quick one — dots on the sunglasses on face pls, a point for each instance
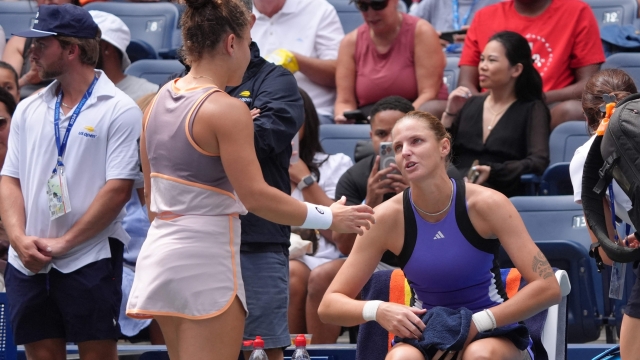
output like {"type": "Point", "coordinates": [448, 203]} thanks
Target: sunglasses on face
{"type": "Point", "coordinates": [375, 5]}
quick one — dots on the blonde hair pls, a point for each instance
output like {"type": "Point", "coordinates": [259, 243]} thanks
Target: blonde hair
{"type": "Point", "coordinates": [89, 48]}
{"type": "Point", "coordinates": [434, 124]}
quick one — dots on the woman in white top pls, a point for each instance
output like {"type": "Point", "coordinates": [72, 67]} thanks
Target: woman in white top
{"type": "Point", "coordinates": [597, 92]}
{"type": "Point", "coordinates": [313, 178]}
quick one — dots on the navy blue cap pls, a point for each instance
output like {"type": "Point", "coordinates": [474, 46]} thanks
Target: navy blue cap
{"type": "Point", "coordinates": [63, 20]}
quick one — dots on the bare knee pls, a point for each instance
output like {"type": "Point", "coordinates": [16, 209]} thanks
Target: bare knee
{"type": "Point", "coordinates": [321, 277]}
{"type": "Point", "coordinates": [49, 349]}
{"type": "Point", "coordinates": [566, 111]}
{"type": "Point", "coordinates": [434, 107]}
{"type": "Point", "coordinates": [98, 350]}
{"type": "Point", "coordinates": [404, 352]}
{"type": "Point", "coordinates": [298, 278]}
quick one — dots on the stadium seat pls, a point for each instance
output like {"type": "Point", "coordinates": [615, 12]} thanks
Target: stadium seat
{"type": "Point", "coordinates": [17, 16]}
{"type": "Point", "coordinates": [451, 72]}
{"type": "Point", "coordinates": [342, 138]}
{"type": "Point", "coordinates": [155, 23]}
{"type": "Point", "coordinates": [608, 12]}
{"type": "Point", "coordinates": [140, 50]}
{"type": "Point", "coordinates": [629, 62]}
{"type": "Point", "coordinates": [563, 142]}
{"type": "Point", "coordinates": [156, 71]}
{"type": "Point", "coordinates": [349, 15]}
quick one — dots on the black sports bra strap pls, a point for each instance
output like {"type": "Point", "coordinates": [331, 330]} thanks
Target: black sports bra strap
{"type": "Point", "coordinates": [490, 246]}
{"type": "Point", "coordinates": [410, 230]}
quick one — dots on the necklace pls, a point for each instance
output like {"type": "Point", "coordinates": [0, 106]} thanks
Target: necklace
{"type": "Point", "coordinates": [496, 115]}
{"type": "Point", "coordinates": [67, 106]}
{"type": "Point", "coordinates": [439, 212]}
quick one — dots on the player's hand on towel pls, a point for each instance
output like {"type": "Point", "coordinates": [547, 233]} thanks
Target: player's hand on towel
{"type": "Point", "coordinates": [401, 320]}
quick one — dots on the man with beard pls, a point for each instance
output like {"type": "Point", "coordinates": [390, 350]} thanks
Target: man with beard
{"type": "Point", "coordinates": [76, 139]}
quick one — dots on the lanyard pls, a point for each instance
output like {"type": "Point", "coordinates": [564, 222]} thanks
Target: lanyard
{"type": "Point", "coordinates": [62, 146]}
{"type": "Point", "coordinates": [612, 206]}
{"type": "Point", "coordinates": [456, 14]}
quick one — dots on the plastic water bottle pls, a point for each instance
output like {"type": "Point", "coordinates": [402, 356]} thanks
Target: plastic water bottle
{"type": "Point", "coordinates": [258, 350]}
{"type": "Point", "coordinates": [301, 349]}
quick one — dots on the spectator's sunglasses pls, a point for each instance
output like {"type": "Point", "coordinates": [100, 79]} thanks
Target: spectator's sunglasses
{"type": "Point", "coordinates": [375, 5]}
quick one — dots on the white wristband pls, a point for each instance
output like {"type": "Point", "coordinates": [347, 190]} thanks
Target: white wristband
{"type": "Point", "coordinates": [484, 320]}
{"type": "Point", "coordinates": [318, 217]}
{"type": "Point", "coordinates": [370, 309]}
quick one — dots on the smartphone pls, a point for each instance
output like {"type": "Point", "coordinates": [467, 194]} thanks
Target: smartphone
{"type": "Point", "coordinates": [357, 116]}
{"type": "Point", "coordinates": [387, 156]}
{"type": "Point", "coordinates": [472, 175]}
{"type": "Point", "coordinates": [448, 35]}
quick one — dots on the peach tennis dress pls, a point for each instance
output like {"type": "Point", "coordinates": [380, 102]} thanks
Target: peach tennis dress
{"type": "Point", "coordinates": [189, 265]}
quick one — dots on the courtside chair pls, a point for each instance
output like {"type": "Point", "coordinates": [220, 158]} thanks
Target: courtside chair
{"type": "Point", "coordinates": [629, 62]}
{"type": "Point", "coordinates": [17, 16]}
{"type": "Point", "coordinates": [336, 138]}
{"type": "Point", "coordinates": [451, 72]}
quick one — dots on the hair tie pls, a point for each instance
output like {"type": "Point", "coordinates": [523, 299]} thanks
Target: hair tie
{"type": "Point", "coordinates": [608, 108]}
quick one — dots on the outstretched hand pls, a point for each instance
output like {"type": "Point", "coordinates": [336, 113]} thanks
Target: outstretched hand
{"type": "Point", "coordinates": [351, 219]}
{"type": "Point", "coordinates": [401, 320]}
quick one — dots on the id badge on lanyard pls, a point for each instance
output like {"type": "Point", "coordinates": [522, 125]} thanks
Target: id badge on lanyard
{"type": "Point", "coordinates": [57, 191]}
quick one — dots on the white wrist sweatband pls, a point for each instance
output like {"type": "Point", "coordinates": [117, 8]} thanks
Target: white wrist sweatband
{"type": "Point", "coordinates": [318, 217]}
{"type": "Point", "coordinates": [484, 320]}
{"type": "Point", "coordinates": [370, 309]}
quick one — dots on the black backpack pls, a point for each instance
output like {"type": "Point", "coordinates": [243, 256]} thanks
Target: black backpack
{"type": "Point", "coordinates": [614, 155]}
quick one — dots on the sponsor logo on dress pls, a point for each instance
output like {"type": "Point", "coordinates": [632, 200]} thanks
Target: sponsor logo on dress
{"type": "Point", "coordinates": [438, 236]}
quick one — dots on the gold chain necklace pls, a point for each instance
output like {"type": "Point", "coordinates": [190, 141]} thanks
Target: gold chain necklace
{"type": "Point", "coordinates": [439, 212]}
{"type": "Point", "coordinates": [496, 114]}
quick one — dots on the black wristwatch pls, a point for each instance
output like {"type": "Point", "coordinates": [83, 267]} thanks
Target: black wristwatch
{"type": "Point", "coordinates": [306, 181]}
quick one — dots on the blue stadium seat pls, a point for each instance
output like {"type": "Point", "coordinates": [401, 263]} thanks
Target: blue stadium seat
{"type": "Point", "coordinates": [342, 138]}
{"type": "Point", "coordinates": [629, 62]}
{"type": "Point", "coordinates": [155, 23]}
{"type": "Point", "coordinates": [156, 71]}
{"type": "Point", "coordinates": [140, 50]}
{"type": "Point", "coordinates": [451, 72]}
{"type": "Point", "coordinates": [17, 16]}
{"type": "Point", "coordinates": [608, 12]}
{"type": "Point", "coordinates": [349, 15]}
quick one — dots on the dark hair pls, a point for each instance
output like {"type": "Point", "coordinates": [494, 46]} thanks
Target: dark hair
{"type": "Point", "coordinates": [434, 125]}
{"type": "Point", "coordinates": [4, 65]}
{"type": "Point", "coordinates": [608, 81]}
{"type": "Point", "coordinates": [397, 103]}
{"type": "Point", "coordinates": [529, 84]}
{"type": "Point", "coordinates": [310, 142]}
{"type": "Point", "coordinates": [8, 100]}
{"type": "Point", "coordinates": [205, 22]}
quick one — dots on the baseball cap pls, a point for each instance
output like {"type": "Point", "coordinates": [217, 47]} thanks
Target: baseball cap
{"type": "Point", "coordinates": [115, 32]}
{"type": "Point", "coordinates": [64, 20]}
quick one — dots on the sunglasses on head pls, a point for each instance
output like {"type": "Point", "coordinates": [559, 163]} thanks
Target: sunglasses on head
{"type": "Point", "coordinates": [375, 5]}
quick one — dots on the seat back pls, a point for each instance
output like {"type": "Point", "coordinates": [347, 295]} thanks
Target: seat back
{"type": "Point", "coordinates": [629, 62]}
{"type": "Point", "coordinates": [140, 50]}
{"type": "Point", "coordinates": [609, 12]}
{"type": "Point", "coordinates": [391, 285]}
{"type": "Point", "coordinates": [451, 72]}
{"type": "Point", "coordinates": [156, 71]}
{"type": "Point", "coordinates": [17, 16]}
{"type": "Point", "coordinates": [342, 138]}
{"type": "Point", "coordinates": [350, 16]}
{"type": "Point", "coordinates": [565, 139]}
{"type": "Point", "coordinates": [154, 23]}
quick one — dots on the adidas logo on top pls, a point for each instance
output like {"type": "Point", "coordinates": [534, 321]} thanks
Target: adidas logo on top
{"type": "Point", "coordinates": [438, 236]}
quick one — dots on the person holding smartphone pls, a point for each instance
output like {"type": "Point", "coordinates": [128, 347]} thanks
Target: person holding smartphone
{"type": "Point", "coordinates": [504, 133]}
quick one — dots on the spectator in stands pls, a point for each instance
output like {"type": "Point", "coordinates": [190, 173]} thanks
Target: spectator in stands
{"type": "Point", "coordinates": [617, 84]}
{"type": "Point", "coordinates": [504, 133]}
{"type": "Point", "coordinates": [455, 269]}
{"type": "Point", "coordinates": [450, 15]}
{"type": "Point", "coordinates": [66, 264]}
{"type": "Point", "coordinates": [303, 35]}
{"type": "Point", "coordinates": [392, 53]}
{"type": "Point", "coordinates": [564, 37]}
{"type": "Point", "coordinates": [9, 80]}
{"type": "Point", "coordinates": [7, 107]}
{"type": "Point", "coordinates": [17, 53]}
{"type": "Point", "coordinates": [113, 56]}
{"type": "Point", "coordinates": [313, 178]}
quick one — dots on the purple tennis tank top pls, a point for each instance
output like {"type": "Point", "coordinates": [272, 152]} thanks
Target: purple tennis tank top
{"type": "Point", "coordinates": [447, 263]}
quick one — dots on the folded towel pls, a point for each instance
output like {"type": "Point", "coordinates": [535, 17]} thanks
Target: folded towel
{"type": "Point", "coordinates": [448, 329]}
